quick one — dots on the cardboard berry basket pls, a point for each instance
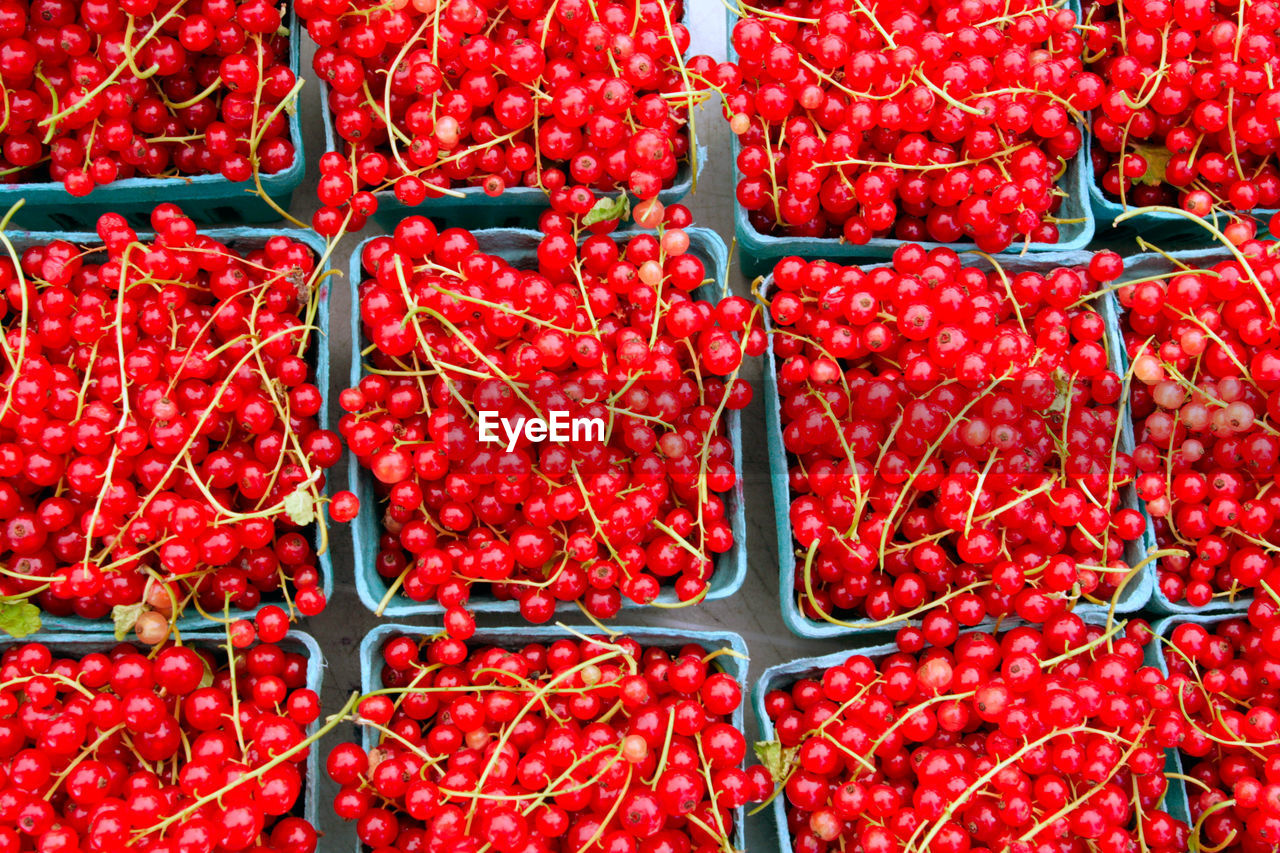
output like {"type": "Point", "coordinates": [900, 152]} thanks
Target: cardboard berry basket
{"type": "Point", "coordinates": [735, 664]}
{"type": "Point", "coordinates": [519, 248]}
{"type": "Point", "coordinates": [1135, 593]}
{"type": "Point", "coordinates": [517, 207]}
{"type": "Point", "coordinates": [783, 675]}
{"type": "Point", "coordinates": [317, 357]}
{"type": "Point", "coordinates": [1147, 222]}
{"type": "Point", "coordinates": [760, 252]}
{"type": "Point", "coordinates": [205, 198]}
{"type": "Point", "coordinates": [1142, 266]}
{"type": "Point", "coordinates": [79, 644]}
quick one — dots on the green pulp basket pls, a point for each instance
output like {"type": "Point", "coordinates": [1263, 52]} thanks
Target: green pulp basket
{"type": "Point", "coordinates": [209, 199]}
{"type": "Point", "coordinates": [77, 644]}
{"type": "Point", "coordinates": [1141, 266]}
{"type": "Point", "coordinates": [473, 208]}
{"type": "Point", "coordinates": [784, 675]}
{"type": "Point", "coordinates": [519, 248]}
{"type": "Point", "coordinates": [318, 358]}
{"type": "Point", "coordinates": [1136, 592]}
{"type": "Point", "coordinates": [734, 664]}
{"type": "Point", "coordinates": [761, 251]}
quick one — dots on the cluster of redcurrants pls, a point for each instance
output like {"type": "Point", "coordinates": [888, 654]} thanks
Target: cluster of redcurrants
{"type": "Point", "coordinates": [1205, 345]}
{"type": "Point", "coordinates": [941, 121]}
{"type": "Point", "coordinates": [605, 330]}
{"type": "Point", "coordinates": [1223, 674]}
{"type": "Point", "coordinates": [1035, 740]}
{"type": "Point", "coordinates": [963, 463]}
{"type": "Point", "coordinates": [160, 450]}
{"type": "Point", "coordinates": [1190, 103]}
{"type": "Point", "coordinates": [102, 90]}
{"type": "Point", "coordinates": [953, 438]}
{"type": "Point", "coordinates": [935, 121]}
{"type": "Point", "coordinates": [587, 744]}
{"type": "Point", "coordinates": [427, 97]}
{"type": "Point", "coordinates": [180, 750]}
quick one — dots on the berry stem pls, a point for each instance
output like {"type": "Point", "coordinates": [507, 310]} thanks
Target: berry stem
{"type": "Point", "coordinates": [253, 775]}
{"type": "Point", "coordinates": [1071, 805]}
{"type": "Point", "coordinates": [51, 121]}
{"type": "Point", "coordinates": [1222, 238]}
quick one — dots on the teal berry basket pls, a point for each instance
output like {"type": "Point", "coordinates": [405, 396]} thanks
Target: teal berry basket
{"type": "Point", "coordinates": [519, 247]}
{"type": "Point", "coordinates": [1147, 222]}
{"type": "Point", "coordinates": [1177, 801]}
{"type": "Point", "coordinates": [78, 644]}
{"type": "Point", "coordinates": [242, 238]}
{"type": "Point", "coordinates": [784, 675]}
{"type": "Point", "coordinates": [1136, 592]}
{"type": "Point", "coordinates": [759, 251]}
{"type": "Point", "coordinates": [209, 199]}
{"type": "Point", "coordinates": [735, 665]}
{"type": "Point", "coordinates": [473, 208]}
{"type": "Point", "coordinates": [1142, 266]}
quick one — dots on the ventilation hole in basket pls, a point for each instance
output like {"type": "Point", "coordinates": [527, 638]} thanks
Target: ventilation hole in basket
{"type": "Point", "coordinates": [65, 222]}
{"type": "Point", "coordinates": [224, 213]}
{"type": "Point", "coordinates": [138, 219]}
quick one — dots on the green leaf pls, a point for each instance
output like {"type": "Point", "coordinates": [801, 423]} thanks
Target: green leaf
{"type": "Point", "coordinates": [608, 208]}
{"type": "Point", "coordinates": [778, 761]}
{"type": "Point", "coordinates": [770, 754]}
{"type": "Point", "coordinates": [300, 507]}
{"type": "Point", "coordinates": [125, 616]}
{"type": "Point", "coordinates": [19, 618]}
{"type": "Point", "coordinates": [1157, 157]}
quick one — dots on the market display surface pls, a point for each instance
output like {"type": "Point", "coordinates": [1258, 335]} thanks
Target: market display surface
{"type": "Point", "coordinates": [833, 428]}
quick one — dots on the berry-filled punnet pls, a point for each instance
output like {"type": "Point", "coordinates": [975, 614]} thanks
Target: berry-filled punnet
{"type": "Point", "coordinates": [102, 90]}
{"type": "Point", "coordinates": [954, 441]}
{"type": "Point", "coordinates": [195, 747]}
{"type": "Point", "coordinates": [161, 453]}
{"type": "Point", "coordinates": [548, 741]}
{"type": "Point", "coordinates": [1187, 115]}
{"type": "Point", "coordinates": [1033, 740]}
{"type": "Point", "coordinates": [1202, 333]}
{"type": "Point", "coordinates": [597, 326]}
{"type": "Point", "coordinates": [432, 98]}
{"type": "Point", "coordinates": [933, 121]}
{"type": "Point", "coordinates": [1222, 669]}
